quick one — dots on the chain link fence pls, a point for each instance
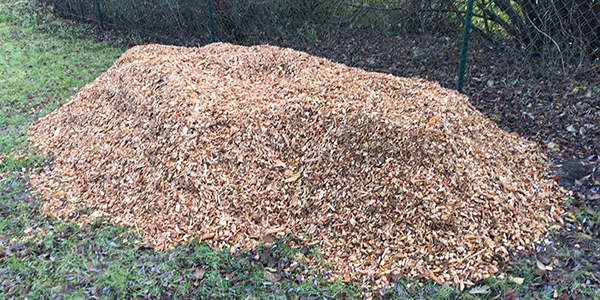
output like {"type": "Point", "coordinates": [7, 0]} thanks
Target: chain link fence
{"type": "Point", "coordinates": [532, 66]}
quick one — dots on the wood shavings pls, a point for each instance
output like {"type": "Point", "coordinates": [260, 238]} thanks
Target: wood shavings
{"type": "Point", "coordinates": [226, 143]}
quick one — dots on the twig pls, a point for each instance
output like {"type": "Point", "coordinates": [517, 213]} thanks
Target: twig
{"type": "Point", "coordinates": [473, 255]}
{"type": "Point", "coordinates": [555, 43]}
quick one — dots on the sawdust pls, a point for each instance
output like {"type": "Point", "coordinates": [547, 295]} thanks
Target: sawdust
{"type": "Point", "coordinates": [227, 143]}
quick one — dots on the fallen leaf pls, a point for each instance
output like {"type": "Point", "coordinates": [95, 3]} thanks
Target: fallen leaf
{"type": "Point", "coordinates": [432, 276]}
{"type": "Point", "coordinates": [564, 296]}
{"type": "Point", "coordinates": [510, 295]}
{"type": "Point", "coordinates": [275, 230]}
{"type": "Point", "coordinates": [539, 272]}
{"type": "Point", "coordinates": [207, 236]}
{"type": "Point", "coordinates": [292, 178]}
{"type": "Point", "coordinates": [271, 275]}
{"type": "Point", "coordinates": [12, 290]}
{"type": "Point", "coordinates": [540, 265]}
{"type": "Point", "coordinates": [229, 276]}
{"type": "Point", "coordinates": [517, 280]}
{"type": "Point", "coordinates": [582, 236]}
{"type": "Point", "coordinates": [269, 239]}
{"type": "Point", "coordinates": [199, 273]}
{"type": "Point", "coordinates": [484, 289]}
{"type": "Point", "coordinates": [558, 263]}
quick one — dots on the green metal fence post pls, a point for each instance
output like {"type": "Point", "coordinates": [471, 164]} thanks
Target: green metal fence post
{"type": "Point", "coordinates": [99, 14]}
{"type": "Point", "coordinates": [465, 46]}
{"type": "Point", "coordinates": [211, 21]}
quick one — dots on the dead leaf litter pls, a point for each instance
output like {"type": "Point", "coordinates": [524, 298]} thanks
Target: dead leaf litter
{"type": "Point", "coordinates": [227, 143]}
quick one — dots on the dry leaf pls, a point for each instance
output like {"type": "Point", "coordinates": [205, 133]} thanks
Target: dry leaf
{"type": "Point", "coordinates": [12, 290]}
{"type": "Point", "coordinates": [509, 294]}
{"type": "Point", "coordinates": [539, 272]}
{"type": "Point", "coordinates": [540, 265]}
{"type": "Point", "coordinates": [271, 275]}
{"type": "Point", "coordinates": [484, 289]}
{"type": "Point", "coordinates": [269, 239]}
{"type": "Point", "coordinates": [292, 178]}
{"type": "Point", "coordinates": [517, 280]}
{"type": "Point", "coordinates": [207, 236]}
{"type": "Point", "coordinates": [199, 273]}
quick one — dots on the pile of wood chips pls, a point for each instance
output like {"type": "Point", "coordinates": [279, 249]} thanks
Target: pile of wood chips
{"type": "Point", "coordinates": [227, 143]}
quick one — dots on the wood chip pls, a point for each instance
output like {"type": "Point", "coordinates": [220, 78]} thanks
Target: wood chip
{"type": "Point", "coordinates": [292, 178]}
{"type": "Point", "coordinates": [397, 174]}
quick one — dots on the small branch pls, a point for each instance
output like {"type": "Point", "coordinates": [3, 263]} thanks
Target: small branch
{"type": "Point", "coordinates": [473, 255]}
{"type": "Point", "coordinates": [555, 43]}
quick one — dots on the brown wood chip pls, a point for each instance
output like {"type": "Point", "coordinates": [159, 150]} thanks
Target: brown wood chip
{"type": "Point", "coordinates": [226, 143]}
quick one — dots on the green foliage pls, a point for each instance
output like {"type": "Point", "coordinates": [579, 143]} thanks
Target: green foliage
{"type": "Point", "coordinates": [41, 68]}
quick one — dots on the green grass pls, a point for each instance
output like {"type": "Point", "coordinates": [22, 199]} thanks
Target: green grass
{"type": "Point", "coordinates": [41, 66]}
{"type": "Point", "coordinates": [43, 62]}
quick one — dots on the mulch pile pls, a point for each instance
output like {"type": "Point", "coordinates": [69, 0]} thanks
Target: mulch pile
{"type": "Point", "coordinates": [228, 143]}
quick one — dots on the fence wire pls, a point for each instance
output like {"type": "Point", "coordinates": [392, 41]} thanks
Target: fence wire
{"type": "Point", "coordinates": [522, 53]}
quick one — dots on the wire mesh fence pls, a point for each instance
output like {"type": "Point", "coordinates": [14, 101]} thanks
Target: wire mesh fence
{"type": "Point", "coordinates": [532, 66]}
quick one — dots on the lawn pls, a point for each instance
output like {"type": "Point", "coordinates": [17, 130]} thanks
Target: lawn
{"type": "Point", "coordinates": [44, 61]}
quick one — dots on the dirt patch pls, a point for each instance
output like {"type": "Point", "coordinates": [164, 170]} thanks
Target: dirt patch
{"type": "Point", "coordinates": [570, 170]}
{"type": "Point", "coordinates": [227, 143]}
